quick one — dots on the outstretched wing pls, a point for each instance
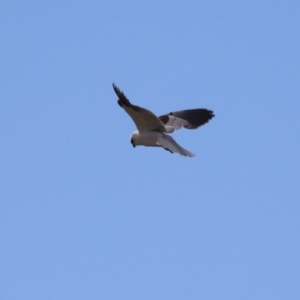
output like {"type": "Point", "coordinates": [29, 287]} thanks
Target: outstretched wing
{"type": "Point", "coordinates": [190, 119]}
{"type": "Point", "coordinates": [144, 119]}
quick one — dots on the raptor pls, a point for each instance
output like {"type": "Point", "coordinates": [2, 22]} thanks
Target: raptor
{"type": "Point", "coordinates": [154, 131]}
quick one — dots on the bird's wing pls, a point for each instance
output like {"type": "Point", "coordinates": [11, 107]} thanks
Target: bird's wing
{"type": "Point", "coordinates": [169, 143]}
{"type": "Point", "coordinates": [144, 119]}
{"type": "Point", "coordinates": [190, 119]}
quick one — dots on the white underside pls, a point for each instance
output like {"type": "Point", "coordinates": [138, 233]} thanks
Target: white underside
{"type": "Point", "coordinates": [159, 139]}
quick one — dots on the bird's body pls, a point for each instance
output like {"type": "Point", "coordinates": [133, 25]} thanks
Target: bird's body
{"type": "Point", "coordinates": [147, 138]}
{"type": "Point", "coordinates": [158, 139]}
{"type": "Point", "coordinates": [153, 131]}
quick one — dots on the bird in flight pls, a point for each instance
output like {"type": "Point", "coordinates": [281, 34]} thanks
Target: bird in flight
{"type": "Point", "coordinates": [153, 131]}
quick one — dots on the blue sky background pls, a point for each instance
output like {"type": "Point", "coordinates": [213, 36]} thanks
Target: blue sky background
{"type": "Point", "coordinates": [84, 215]}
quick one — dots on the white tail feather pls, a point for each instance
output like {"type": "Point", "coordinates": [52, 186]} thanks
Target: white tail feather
{"type": "Point", "coordinates": [169, 143]}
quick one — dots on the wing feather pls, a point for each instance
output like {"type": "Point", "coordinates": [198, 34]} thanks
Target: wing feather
{"type": "Point", "coordinates": [190, 118]}
{"type": "Point", "coordinates": [144, 119]}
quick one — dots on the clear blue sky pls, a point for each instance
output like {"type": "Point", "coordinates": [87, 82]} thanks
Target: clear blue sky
{"type": "Point", "coordinates": [84, 215]}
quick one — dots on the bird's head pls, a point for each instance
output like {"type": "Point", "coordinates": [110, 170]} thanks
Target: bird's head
{"type": "Point", "coordinates": [133, 139]}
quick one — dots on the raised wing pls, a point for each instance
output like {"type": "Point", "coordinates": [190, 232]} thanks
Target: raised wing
{"type": "Point", "coordinates": [144, 119]}
{"type": "Point", "coordinates": [190, 119]}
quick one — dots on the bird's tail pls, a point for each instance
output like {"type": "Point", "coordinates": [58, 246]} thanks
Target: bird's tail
{"type": "Point", "coordinates": [169, 143]}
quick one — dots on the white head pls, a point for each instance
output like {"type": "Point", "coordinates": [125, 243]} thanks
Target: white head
{"type": "Point", "coordinates": [134, 138]}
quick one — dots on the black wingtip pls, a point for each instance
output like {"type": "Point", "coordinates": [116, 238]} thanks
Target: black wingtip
{"type": "Point", "coordinates": [122, 98]}
{"type": "Point", "coordinates": [116, 89]}
{"type": "Point", "coordinates": [195, 117]}
{"type": "Point", "coordinates": [204, 116]}
{"type": "Point", "coordinates": [211, 114]}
